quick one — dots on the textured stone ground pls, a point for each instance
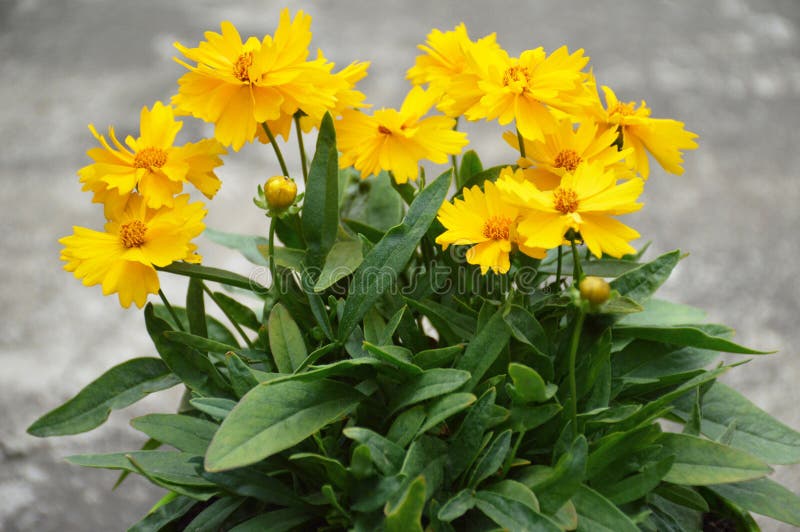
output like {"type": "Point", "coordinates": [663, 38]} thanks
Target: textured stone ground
{"type": "Point", "coordinates": [729, 68]}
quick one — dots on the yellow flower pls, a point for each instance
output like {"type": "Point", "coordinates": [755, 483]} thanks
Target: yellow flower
{"type": "Point", "coordinates": [584, 202]}
{"type": "Point", "coordinates": [564, 148]}
{"type": "Point", "coordinates": [150, 164]}
{"type": "Point", "coordinates": [397, 141]}
{"type": "Point", "coordinates": [447, 62]}
{"type": "Point", "coordinates": [237, 86]}
{"type": "Point", "coordinates": [122, 258]}
{"type": "Point", "coordinates": [482, 218]}
{"type": "Point", "coordinates": [524, 88]}
{"type": "Point", "coordinates": [347, 97]}
{"type": "Point", "coordinates": [662, 137]}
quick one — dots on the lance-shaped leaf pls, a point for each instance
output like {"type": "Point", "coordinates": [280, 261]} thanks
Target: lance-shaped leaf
{"type": "Point", "coordinates": [382, 264]}
{"type": "Point", "coordinates": [641, 283]}
{"type": "Point", "coordinates": [117, 388]}
{"type": "Point", "coordinates": [321, 201]}
{"type": "Point", "coordinates": [482, 351]}
{"type": "Point", "coordinates": [274, 417]}
{"type": "Point", "coordinates": [285, 340]}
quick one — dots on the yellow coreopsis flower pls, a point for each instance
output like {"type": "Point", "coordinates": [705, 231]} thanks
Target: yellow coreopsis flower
{"type": "Point", "coordinates": [150, 164]}
{"type": "Point", "coordinates": [397, 140]}
{"type": "Point", "coordinates": [123, 257]}
{"type": "Point", "coordinates": [524, 88]}
{"type": "Point", "coordinates": [482, 218]}
{"type": "Point", "coordinates": [584, 201]}
{"type": "Point", "coordinates": [564, 148]}
{"type": "Point", "coordinates": [238, 86]}
{"type": "Point", "coordinates": [663, 138]}
{"type": "Point", "coordinates": [447, 63]}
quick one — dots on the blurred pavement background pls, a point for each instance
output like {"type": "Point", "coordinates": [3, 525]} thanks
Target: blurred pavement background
{"type": "Point", "coordinates": [730, 69]}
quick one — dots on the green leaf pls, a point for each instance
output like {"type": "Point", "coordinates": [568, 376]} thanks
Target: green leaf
{"type": "Point", "coordinates": [491, 460]}
{"type": "Point", "coordinates": [198, 342]}
{"type": "Point", "coordinates": [406, 426]}
{"type": "Point", "coordinates": [239, 312]}
{"type": "Point", "coordinates": [467, 441]}
{"type": "Point", "coordinates": [185, 433]}
{"type": "Point", "coordinates": [517, 491]}
{"type": "Point", "coordinates": [686, 335]}
{"type": "Point", "coordinates": [117, 388]}
{"type": "Point", "coordinates": [490, 174]}
{"type": "Point", "coordinates": [660, 312]}
{"type": "Point", "coordinates": [195, 308]}
{"type": "Point", "coordinates": [598, 514]}
{"type": "Point", "coordinates": [436, 358]}
{"type": "Point", "coordinates": [397, 356]}
{"type": "Point", "coordinates": [512, 514]}
{"type": "Point", "coordinates": [240, 375]}
{"type": "Point", "coordinates": [640, 484]}
{"type": "Point", "coordinates": [406, 515]}
{"type": "Point", "coordinates": [321, 201]}
{"type": "Point", "coordinates": [755, 431]}
{"type": "Point", "coordinates": [285, 340]}
{"type": "Point", "coordinates": [315, 373]}
{"type": "Point", "coordinates": [620, 305]}
{"type": "Point", "coordinates": [457, 505]}
{"type": "Point", "coordinates": [524, 418]}
{"type": "Point", "coordinates": [429, 384]}
{"type": "Point", "coordinates": [682, 495]}
{"type": "Point", "coordinates": [598, 268]}
{"type": "Point", "coordinates": [470, 166]}
{"type": "Point", "coordinates": [247, 245]}
{"type": "Point", "coordinates": [526, 328]}
{"type": "Point", "coordinates": [482, 351]}
{"type": "Point", "coordinates": [445, 407]}
{"type": "Point", "coordinates": [451, 324]}
{"type": "Point", "coordinates": [380, 207]}
{"type": "Point", "coordinates": [172, 467]}
{"type": "Point", "coordinates": [213, 517]}
{"type": "Point", "coordinates": [274, 417]}
{"type": "Point", "coordinates": [344, 258]}
{"type": "Point", "coordinates": [565, 479]}
{"type": "Point", "coordinates": [529, 385]}
{"type": "Point", "coordinates": [386, 455]}
{"type": "Point", "coordinates": [639, 284]}
{"type": "Point", "coordinates": [164, 515]}
{"type": "Point", "coordinates": [216, 407]}
{"type": "Point", "coordinates": [194, 369]}
{"type": "Point", "coordinates": [207, 273]}
{"type": "Point", "coordinates": [282, 520]}
{"type": "Point", "coordinates": [332, 468]}
{"type": "Point", "coordinates": [700, 462]}
{"type": "Point", "coordinates": [764, 497]}
{"type": "Point", "coordinates": [382, 264]}
{"type": "Point", "coordinates": [257, 484]}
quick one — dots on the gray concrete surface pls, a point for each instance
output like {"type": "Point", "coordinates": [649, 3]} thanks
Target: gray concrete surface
{"type": "Point", "coordinates": [729, 68]}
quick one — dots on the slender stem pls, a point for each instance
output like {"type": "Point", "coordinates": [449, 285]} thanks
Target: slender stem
{"type": "Point", "coordinates": [276, 148]}
{"type": "Point", "coordinates": [303, 162]}
{"type": "Point", "coordinates": [521, 142]}
{"type": "Point", "coordinates": [577, 274]}
{"type": "Point", "coordinates": [227, 315]}
{"type": "Point", "coordinates": [454, 162]}
{"type": "Point", "coordinates": [558, 266]}
{"type": "Point", "coordinates": [513, 454]}
{"type": "Point", "coordinates": [171, 310]}
{"type": "Point", "coordinates": [273, 269]}
{"type": "Point", "coordinates": [573, 387]}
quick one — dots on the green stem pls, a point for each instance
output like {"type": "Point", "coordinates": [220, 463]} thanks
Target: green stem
{"type": "Point", "coordinates": [513, 454]}
{"type": "Point", "coordinates": [521, 142]}
{"type": "Point", "coordinates": [171, 310]}
{"type": "Point", "coordinates": [273, 269]}
{"type": "Point", "coordinates": [558, 266]}
{"type": "Point", "coordinates": [276, 148]}
{"type": "Point", "coordinates": [227, 315]}
{"type": "Point", "coordinates": [573, 387]}
{"type": "Point", "coordinates": [303, 161]}
{"type": "Point", "coordinates": [577, 270]}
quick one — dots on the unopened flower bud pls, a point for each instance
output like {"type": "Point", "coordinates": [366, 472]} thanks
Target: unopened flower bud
{"type": "Point", "coordinates": [595, 290]}
{"type": "Point", "coordinates": [280, 192]}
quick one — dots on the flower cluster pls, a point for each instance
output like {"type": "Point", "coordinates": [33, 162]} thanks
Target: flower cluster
{"type": "Point", "coordinates": [582, 161]}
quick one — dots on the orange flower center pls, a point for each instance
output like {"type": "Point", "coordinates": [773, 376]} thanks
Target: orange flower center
{"type": "Point", "coordinates": [517, 78]}
{"type": "Point", "coordinates": [132, 234]}
{"type": "Point", "coordinates": [241, 67]}
{"type": "Point", "coordinates": [497, 228]}
{"type": "Point", "coordinates": [149, 158]}
{"type": "Point", "coordinates": [567, 159]}
{"type": "Point", "coordinates": [623, 109]}
{"type": "Point", "coordinates": [565, 200]}
{"type": "Point", "coordinates": [384, 130]}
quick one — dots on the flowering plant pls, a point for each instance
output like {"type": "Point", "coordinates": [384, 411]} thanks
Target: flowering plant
{"type": "Point", "coordinates": [419, 357]}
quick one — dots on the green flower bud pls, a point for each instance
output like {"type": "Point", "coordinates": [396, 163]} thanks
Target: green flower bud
{"type": "Point", "coordinates": [280, 192]}
{"type": "Point", "coordinates": [595, 290]}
